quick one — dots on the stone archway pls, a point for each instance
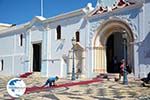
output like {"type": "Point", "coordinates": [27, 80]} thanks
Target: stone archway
{"type": "Point", "coordinates": [109, 27]}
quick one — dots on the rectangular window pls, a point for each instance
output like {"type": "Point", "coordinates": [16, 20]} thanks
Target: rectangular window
{"type": "Point", "coordinates": [77, 36]}
{"type": "Point", "coordinates": [1, 65]}
{"type": "Point", "coordinates": [21, 40]}
{"type": "Point", "coordinates": [58, 32]}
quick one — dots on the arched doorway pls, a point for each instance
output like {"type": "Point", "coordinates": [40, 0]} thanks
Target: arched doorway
{"type": "Point", "coordinates": [108, 44]}
{"type": "Point", "coordinates": [114, 52]}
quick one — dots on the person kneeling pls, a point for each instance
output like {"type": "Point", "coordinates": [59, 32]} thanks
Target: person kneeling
{"type": "Point", "coordinates": [51, 81]}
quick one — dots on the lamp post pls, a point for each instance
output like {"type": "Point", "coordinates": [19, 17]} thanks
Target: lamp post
{"type": "Point", "coordinates": [125, 79]}
{"type": "Point", "coordinates": [73, 67]}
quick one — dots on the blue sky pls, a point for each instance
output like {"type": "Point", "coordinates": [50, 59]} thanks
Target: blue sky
{"type": "Point", "coordinates": [21, 11]}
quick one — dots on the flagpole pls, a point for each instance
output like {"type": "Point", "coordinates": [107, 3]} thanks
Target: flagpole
{"type": "Point", "coordinates": [41, 7]}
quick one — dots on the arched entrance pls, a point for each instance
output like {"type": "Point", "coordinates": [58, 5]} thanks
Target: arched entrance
{"type": "Point", "coordinates": [108, 45]}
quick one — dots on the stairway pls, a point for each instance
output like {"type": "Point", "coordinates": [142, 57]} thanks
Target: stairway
{"type": "Point", "coordinates": [108, 75]}
{"type": "Point", "coordinates": [36, 74]}
{"type": "Point", "coordinates": [31, 74]}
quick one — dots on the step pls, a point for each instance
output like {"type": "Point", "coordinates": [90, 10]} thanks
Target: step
{"type": "Point", "coordinates": [36, 74]}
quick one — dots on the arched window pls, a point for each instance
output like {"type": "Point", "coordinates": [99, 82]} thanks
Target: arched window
{"type": "Point", "coordinates": [21, 39]}
{"type": "Point", "coordinates": [77, 36]}
{"type": "Point", "coordinates": [1, 65]}
{"type": "Point", "coordinates": [58, 29]}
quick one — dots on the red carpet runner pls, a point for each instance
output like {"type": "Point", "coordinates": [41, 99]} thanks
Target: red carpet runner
{"type": "Point", "coordinates": [36, 88]}
{"type": "Point", "coordinates": [25, 75]}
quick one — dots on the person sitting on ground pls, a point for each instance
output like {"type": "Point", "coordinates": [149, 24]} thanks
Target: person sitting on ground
{"type": "Point", "coordinates": [146, 80]}
{"type": "Point", "coordinates": [51, 81]}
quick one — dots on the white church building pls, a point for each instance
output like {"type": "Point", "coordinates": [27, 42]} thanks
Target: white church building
{"type": "Point", "coordinates": [119, 30]}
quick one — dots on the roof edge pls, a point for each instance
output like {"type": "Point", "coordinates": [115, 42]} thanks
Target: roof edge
{"type": "Point", "coordinates": [25, 25]}
{"type": "Point", "coordinates": [65, 15]}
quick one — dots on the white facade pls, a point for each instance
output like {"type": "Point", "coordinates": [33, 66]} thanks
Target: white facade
{"type": "Point", "coordinates": [34, 46]}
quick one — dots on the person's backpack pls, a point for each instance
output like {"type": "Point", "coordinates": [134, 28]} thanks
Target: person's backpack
{"type": "Point", "coordinates": [129, 69]}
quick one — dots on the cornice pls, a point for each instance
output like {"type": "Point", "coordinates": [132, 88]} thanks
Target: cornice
{"type": "Point", "coordinates": [65, 15]}
{"type": "Point", "coordinates": [14, 28]}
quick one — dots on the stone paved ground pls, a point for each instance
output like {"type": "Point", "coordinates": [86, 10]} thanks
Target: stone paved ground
{"type": "Point", "coordinates": [106, 90]}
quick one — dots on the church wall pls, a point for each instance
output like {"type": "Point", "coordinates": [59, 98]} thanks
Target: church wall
{"type": "Point", "coordinates": [62, 46]}
{"type": "Point", "coordinates": [6, 45]}
{"type": "Point", "coordinates": [6, 53]}
{"type": "Point", "coordinates": [14, 55]}
{"type": "Point", "coordinates": [18, 59]}
{"type": "Point", "coordinates": [7, 66]}
{"type": "Point", "coordinates": [144, 48]}
{"type": "Point", "coordinates": [36, 36]}
{"type": "Point", "coordinates": [68, 28]}
{"type": "Point", "coordinates": [11, 53]}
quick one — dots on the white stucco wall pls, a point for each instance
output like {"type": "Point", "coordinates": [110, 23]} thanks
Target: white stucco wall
{"type": "Point", "coordinates": [18, 59]}
{"type": "Point", "coordinates": [6, 45]}
{"type": "Point", "coordinates": [62, 47]}
{"type": "Point", "coordinates": [11, 53]}
{"type": "Point", "coordinates": [144, 48]}
{"type": "Point", "coordinates": [36, 36]}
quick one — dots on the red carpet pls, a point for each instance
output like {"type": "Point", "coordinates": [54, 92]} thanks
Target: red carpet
{"type": "Point", "coordinates": [25, 75]}
{"type": "Point", "coordinates": [36, 88]}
